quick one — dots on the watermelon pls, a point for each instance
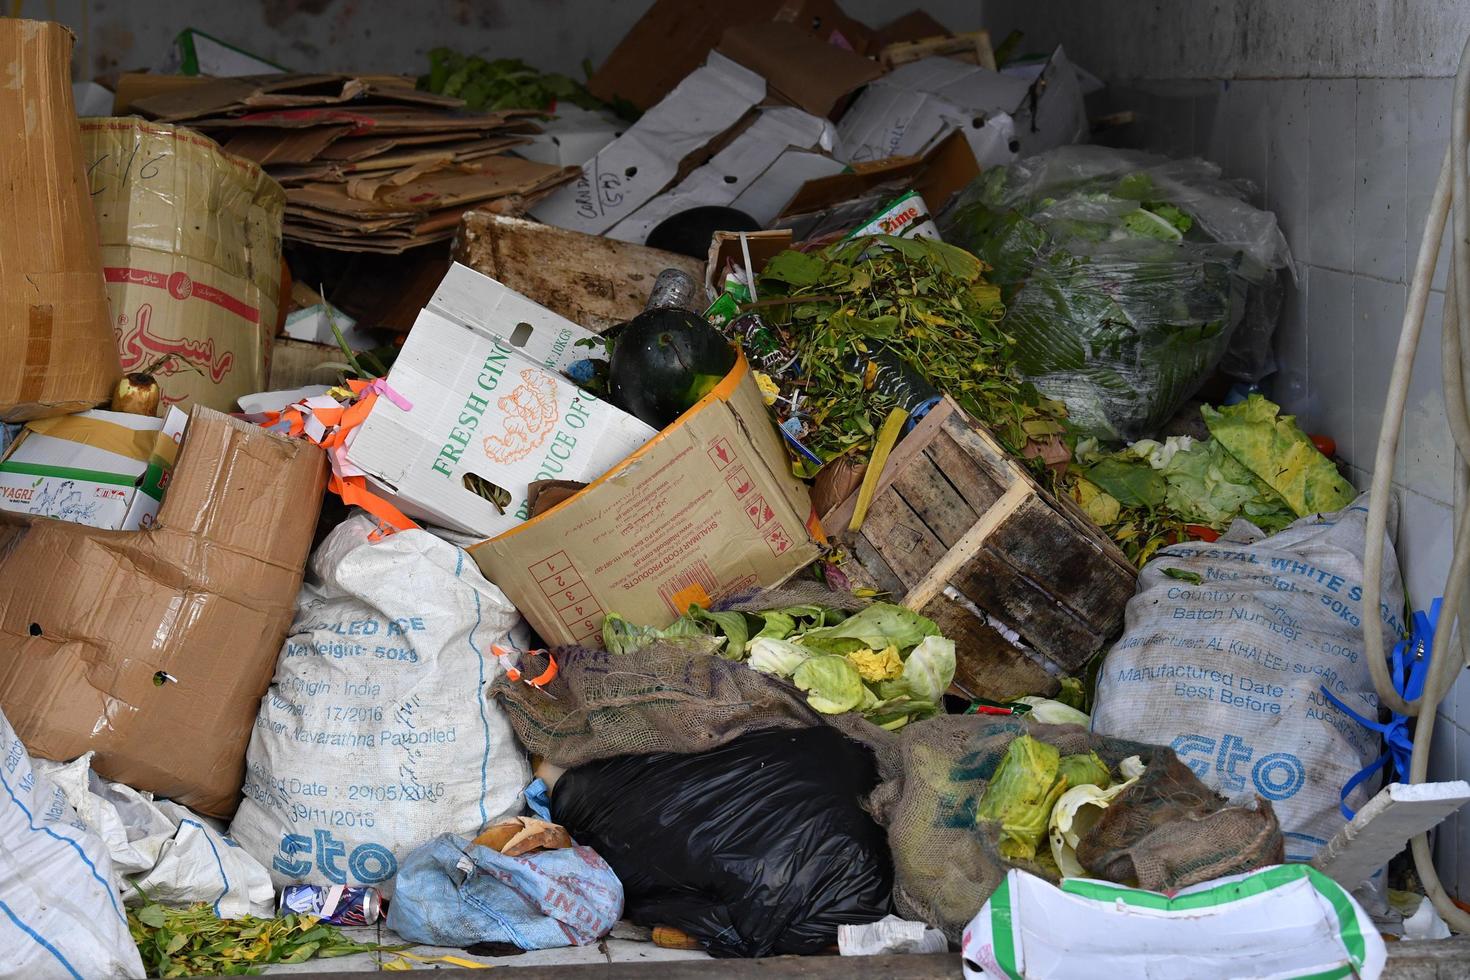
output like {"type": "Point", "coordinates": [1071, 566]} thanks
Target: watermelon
{"type": "Point", "coordinates": [663, 362]}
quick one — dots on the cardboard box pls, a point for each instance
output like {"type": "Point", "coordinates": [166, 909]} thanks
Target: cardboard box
{"type": "Point", "coordinates": [484, 421]}
{"type": "Point", "coordinates": [589, 279]}
{"type": "Point", "coordinates": [914, 106]}
{"type": "Point", "coordinates": [937, 175]}
{"type": "Point", "coordinates": [295, 363]}
{"type": "Point", "coordinates": [153, 648]}
{"type": "Point", "coordinates": [476, 301]}
{"type": "Point", "coordinates": [908, 110]}
{"type": "Point", "coordinates": [707, 509]}
{"type": "Point", "coordinates": [674, 37]}
{"type": "Point", "coordinates": [756, 172]}
{"type": "Point", "coordinates": [800, 68]}
{"type": "Point", "coordinates": [56, 348]}
{"type": "Point", "coordinates": [191, 248]}
{"type": "Point", "coordinates": [102, 469]}
{"type": "Point", "coordinates": [656, 150]}
{"type": "Point", "coordinates": [572, 137]}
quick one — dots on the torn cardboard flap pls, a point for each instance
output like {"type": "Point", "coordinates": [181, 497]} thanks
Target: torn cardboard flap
{"type": "Point", "coordinates": [674, 36]}
{"type": "Point", "coordinates": [910, 109]}
{"type": "Point", "coordinates": [707, 509]}
{"type": "Point", "coordinates": [907, 111]}
{"type": "Point", "coordinates": [57, 354]}
{"type": "Point", "coordinates": [153, 648]}
{"type": "Point", "coordinates": [649, 156]}
{"type": "Point", "coordinates": [476, 301]}
{"type": "Point", "coordinates": [754, 173]}
{"type": "Point", "coordinates": [799, 67]}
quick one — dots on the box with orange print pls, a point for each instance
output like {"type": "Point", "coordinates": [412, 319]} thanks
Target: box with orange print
{"type": "Point", "coordinates": [708, 509]}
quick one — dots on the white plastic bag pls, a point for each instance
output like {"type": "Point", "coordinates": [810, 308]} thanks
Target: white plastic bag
{"type": "Point", "coordinates": [1228, 672]}
{"type": "Point", "coordinates": [1289, 920]}
{"type": "Point", "coordinates": [60, 914]}
{"type": "Point", "coordinates": [376, 735]}
{"type": "Point", "coordinates": [161, 851]}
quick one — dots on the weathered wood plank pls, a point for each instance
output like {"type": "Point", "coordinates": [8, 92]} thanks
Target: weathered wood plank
{"type": "Point", "coordinates": [593, 281]}
{"type": "Point", "coordinates": [987, 665]}
{"type": "Point", "coordinates": [978, 486]}
{"type": "Point", "coordinates": [896, 532]}
{"type": "Point", "coordinates": [937, 503]}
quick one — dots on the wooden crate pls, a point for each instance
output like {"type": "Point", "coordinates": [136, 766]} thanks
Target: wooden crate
{"type": "Point", "coordinates": [963, 534]}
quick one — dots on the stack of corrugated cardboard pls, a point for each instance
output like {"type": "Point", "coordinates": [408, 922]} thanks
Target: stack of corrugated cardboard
{"type": "Point", "coordinates": [369, 163]}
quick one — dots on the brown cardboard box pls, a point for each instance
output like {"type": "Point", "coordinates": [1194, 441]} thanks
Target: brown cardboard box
{"type": "Point", "coordinates": [56, 349]}
{"type": "Point", "coordinates": [153, 648]}
{"type": "Point", "coordinates": [800, 68]}
{"type": "Point", "coordinates": [707, 509]}
{"type": "Point", "coordinates": [191, 250]}
{"type": "Point", "coordinates": [675, 36]}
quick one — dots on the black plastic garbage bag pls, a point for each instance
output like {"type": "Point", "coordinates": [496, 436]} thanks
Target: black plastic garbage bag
{"type": "Point", "coordinates": [756, 848]}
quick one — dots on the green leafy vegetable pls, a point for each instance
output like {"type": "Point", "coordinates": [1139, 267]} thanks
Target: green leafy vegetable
{"type": "Point", "coordinates": [1084, 770]}
{"type": "Point", "coordinates": [1271, 446]}
{"type": "Point", "coordinates": [194, 941]}
{"type": "Point", "coordinates": [1020, 795]}
{"type": "Point", "coordinates": [779, 658]}
{"type": "Point", "coordinates": [621, 636]}
{"type": "Point", "coordinates": [832, 683]}
{"type": "Point", "coordinates": [886, 661]}
{"type": "Point", "coordinates": [505, 83]}
{"type": "Point", "coordinates": [1258, 466]}
{"type": "Point", "coordinates": [1185, 575]}
{"type": "Point", "coordinates": [921, 302]}
{"type": "Point", "coordinates": [880, 625]}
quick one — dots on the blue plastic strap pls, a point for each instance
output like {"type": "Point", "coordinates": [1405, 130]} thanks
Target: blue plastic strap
{"type": "Point", "coordinates": [1408, 671]}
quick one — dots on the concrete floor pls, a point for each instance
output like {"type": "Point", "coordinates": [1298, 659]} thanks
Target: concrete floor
{"type": "Point", "coordinates": [627, 945]}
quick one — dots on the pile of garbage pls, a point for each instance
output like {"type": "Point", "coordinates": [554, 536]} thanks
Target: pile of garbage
{"type": "Point", "coordinates": [776, 534]}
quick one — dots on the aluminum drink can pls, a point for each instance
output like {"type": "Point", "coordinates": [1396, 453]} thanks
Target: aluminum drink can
{"type": "Point", "coordinates": [339, 905]}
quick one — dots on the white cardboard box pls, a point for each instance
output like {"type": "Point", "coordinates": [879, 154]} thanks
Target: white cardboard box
{"type": "Point", "coordinates": [645, 159]}
{"type": "Point", "coordinates": [481, 409]}
{"type": "Point", "coordinates": [758, 172]}
{"type": "Point", "coordinates": [66, 468]}
{"type": "Point", "coordinates": [909, 110]}
{"type": "Point", "coordinates": [572, 137]}
{"type": "Point", "coordinates": [491, 309]}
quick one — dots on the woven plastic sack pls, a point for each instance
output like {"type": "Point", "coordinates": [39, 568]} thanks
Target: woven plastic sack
{"type": "Point", "coordinates": [1166, 831]}
{"type": "Point", "coordinates": [376, 735]}
{"type": "Point", "coordinates": [1229, 672]}
{"type": "Point", "coordinates": [454, 893]}
{"type": "Point", "coordinates": [1127, 278]}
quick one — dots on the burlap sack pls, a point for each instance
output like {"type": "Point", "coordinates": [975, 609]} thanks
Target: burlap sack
{"type": "Point", "coordinates": [1165, 832]}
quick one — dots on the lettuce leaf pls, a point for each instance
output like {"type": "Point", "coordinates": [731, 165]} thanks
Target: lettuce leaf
{"type": "Point", "coordinates": [832, 683]}
{"type": "Point", "coordinates": [880, 625]}
{"type": "Point", "coordinates": [1272, 447]}
{"type": "Point", "coordinates": [779, 658]}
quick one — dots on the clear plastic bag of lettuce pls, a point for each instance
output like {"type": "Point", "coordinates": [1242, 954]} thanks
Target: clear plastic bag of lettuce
{"type": "Point", "coordinates": [1127, 279]}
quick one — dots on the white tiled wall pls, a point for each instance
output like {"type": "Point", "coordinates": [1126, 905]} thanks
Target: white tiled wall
{"type": "Point", "coordinates": [1348, 165]}
{"type": "Point", "coordinates": [1339, 114]}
